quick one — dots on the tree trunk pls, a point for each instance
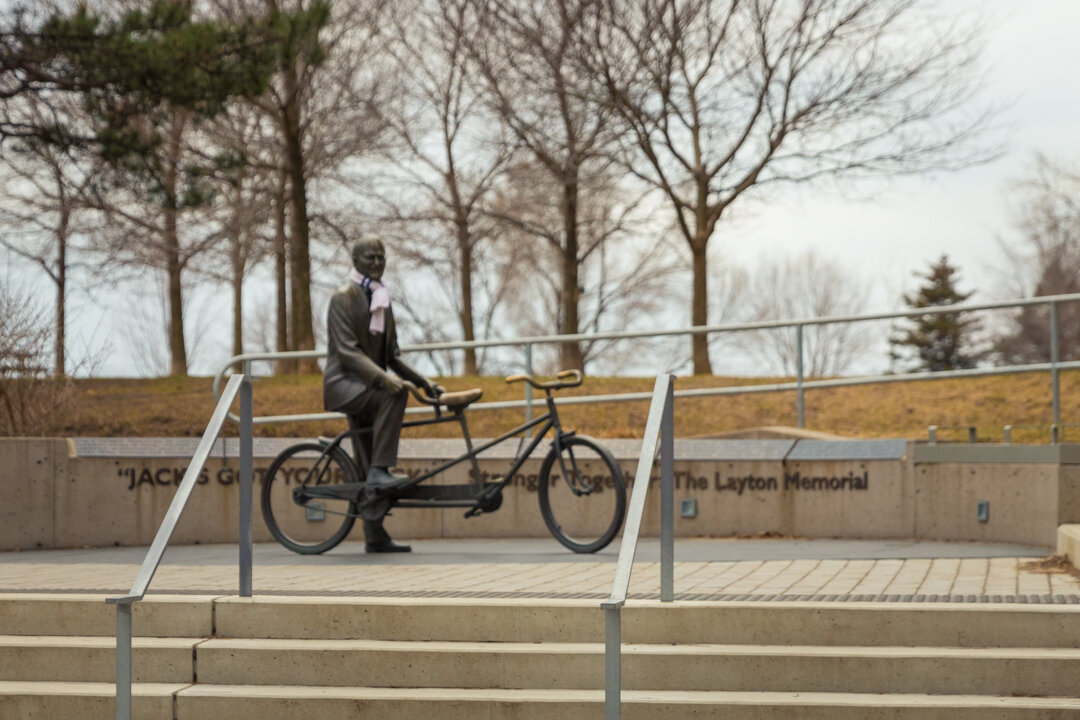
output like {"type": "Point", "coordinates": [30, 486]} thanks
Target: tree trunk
{"type": "Point", "coordinates": [700, 306]}
{"type": "Point", "coordinates": [303, 333]}
{"type": "Point", "coordinates": [60, 369]}
{"type": "Point", "coordinates": [570, 354]}
{"type": "Point", "coordinates": [177, 348]}
{"type": "Point", "coordinates": [281, 273]}
{"type": "Point", "coordinates": [467, 327]}
{"type": "Point", "coordinates": [171, 240]}
{"type": "Point", "coordinates": [238, 294]}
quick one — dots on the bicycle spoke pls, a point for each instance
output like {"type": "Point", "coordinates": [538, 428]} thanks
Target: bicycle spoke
{"type": "Point", "coordinates": [302, 523]}
{"type": "Point", "coordinates": [582, 495]}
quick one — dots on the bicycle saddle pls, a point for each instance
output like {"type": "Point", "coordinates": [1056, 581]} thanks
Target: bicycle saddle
{"type": "Point", "coordinates": [461, 398]}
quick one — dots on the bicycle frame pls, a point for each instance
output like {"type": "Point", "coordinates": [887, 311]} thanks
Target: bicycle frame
{"type": "Point", "coordinates": [549, 421]}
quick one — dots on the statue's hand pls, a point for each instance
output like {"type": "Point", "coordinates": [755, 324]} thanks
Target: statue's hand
{"type": "Point", "coordinates": [433, 390]}
{"type": "Point", "coordinates": [392, 383]}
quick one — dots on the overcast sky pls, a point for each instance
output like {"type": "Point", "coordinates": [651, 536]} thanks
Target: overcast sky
{"type": "Point", "coordinates": [1032, 63]}
{"type": "Point", "coordinates": [1032, 59]}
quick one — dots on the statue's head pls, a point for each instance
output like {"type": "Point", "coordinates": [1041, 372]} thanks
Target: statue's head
{"type": "Point", "coordinates": [369, 257]}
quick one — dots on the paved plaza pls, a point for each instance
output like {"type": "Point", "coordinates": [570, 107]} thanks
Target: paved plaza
{"type": "Point", "coordinates": [705, 569]}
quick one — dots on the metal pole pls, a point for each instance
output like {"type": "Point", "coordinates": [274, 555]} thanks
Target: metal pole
{"type": "Point", "coordinates": [123, 661]}
{"type": "Point", "coordinates": [245, 483]}
{"type": "Point", "coordinates": [1055, 382]}
{"type": "Point", "coordinates": [528, 388]}
{"type": "Point", "coordinates": [667, 496]}
{"type": "Point", "coordinates": [1008, 434]}
{"type": "Point", "coordinates": [612, 663]}
{"type": "Point", "coordinates": [799, 402]}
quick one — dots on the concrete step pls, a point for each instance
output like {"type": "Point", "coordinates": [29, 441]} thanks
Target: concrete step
{"type": "Point", "coordinates": [210, 702]}
{"type": "Point", "coordinates": [552, 620]}
{"type": "Point", "coordinates": [83, 700]}
{"type": "Point", "coordinates": [93, 659]}
{"type": "Point", "coordinates": [580, 666]}
{"type": "Point", "coordinates": [94, 701]}
{"type": "Point", "coordinates": [56, 614]}
{"type": "Point", "coordinates": [546, 620]}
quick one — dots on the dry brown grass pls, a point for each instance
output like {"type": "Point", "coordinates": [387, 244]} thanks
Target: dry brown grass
{"type": "Point", "coordinates": [182, 406]}
{"type": "Point", "coordinates": [1052, 565]}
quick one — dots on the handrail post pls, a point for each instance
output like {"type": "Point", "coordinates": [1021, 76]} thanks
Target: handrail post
{"type": "Point", "coordinates": [612, 662]}
{"type": "Point", "coordinates": [667, 496]}
{"type": "Point", "coordinates": [1054, 379]}
{"type": "Point", "coordinates": [123, 661]}
{"type": "Point", "coordinates": [528, 388]}
{"type": "Point", "coordinates": [246, 481]}
{"type": "Point", "coordinates": [658, 428]}
{"type": "Point", "coordinates": [239, 386]}
{"type": "Point", "coordinates": [800, 403]}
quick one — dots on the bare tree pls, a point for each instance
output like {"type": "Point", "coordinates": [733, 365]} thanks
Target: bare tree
{"type": "Point", "coordinates": [725, 98]}
{"type": "Point", "coordinates": [160, 223]}
{"type": "Point", "coordinates": [622, 277]}
{"type": "Point", "coordinates": [446, 148]}
{"type": "Point", "coordinates": [1043, 258]}
{"type": "Point", "coordinates": [527, 57]}
{"type": "Point", "coordinates": [807, 286]}
{"type": "Point", "coordinates": [31, 401]}
{"type": "Point", "coordinates": [247, 218]}
{"type": "Point", "coordinates": [320, 100]}
{"type": "Point", "coordinates": [44, 208]}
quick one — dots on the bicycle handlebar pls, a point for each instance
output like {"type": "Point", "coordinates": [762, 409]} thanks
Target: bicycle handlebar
{"type": "Point", "coordinates": [577, 376]}
{"type": "Point", "coordinates": [416, 393]}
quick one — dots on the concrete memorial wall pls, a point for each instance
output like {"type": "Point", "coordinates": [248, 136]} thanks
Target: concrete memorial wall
{"type": "Point", "coordinates": [114, 491]}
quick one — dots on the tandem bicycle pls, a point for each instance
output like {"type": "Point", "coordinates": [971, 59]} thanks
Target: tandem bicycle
{"type": "Point", "coordinates": [312, 492]}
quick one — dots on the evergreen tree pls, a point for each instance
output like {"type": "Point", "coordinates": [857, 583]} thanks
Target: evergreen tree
{"type": "Point", "coordinates": [133, 69]}
{"type": "Point", "coordinates": [144, 79]}
{"type": "Point", "coordinates": [940, 341]}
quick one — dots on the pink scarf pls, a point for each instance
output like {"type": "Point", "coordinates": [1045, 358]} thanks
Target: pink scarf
{"type": "Point", "coordinates": [380, 299]}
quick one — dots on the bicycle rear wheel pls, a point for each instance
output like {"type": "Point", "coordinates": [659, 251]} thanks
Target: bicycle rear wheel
{"type": "Point", "coordinates": [582, 495]}
{"type": "Point", "coordinates": [308, 526]}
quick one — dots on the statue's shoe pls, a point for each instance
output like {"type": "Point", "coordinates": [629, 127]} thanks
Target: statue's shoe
{"type": "Point", "coordinates": [386, 546]}
{"type": "Point", "coordinates": [380, 479]}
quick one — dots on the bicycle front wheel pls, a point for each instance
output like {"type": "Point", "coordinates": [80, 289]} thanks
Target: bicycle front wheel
{"type": "Point", "coordinates": [582, 495]}
{"type": "Point", "coordinates": [308, 526]}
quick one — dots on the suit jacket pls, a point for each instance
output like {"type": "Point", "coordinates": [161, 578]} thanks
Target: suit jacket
{"type": "Point", "coordinates": [352, 350]}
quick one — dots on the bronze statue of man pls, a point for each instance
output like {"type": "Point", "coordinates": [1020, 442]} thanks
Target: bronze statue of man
{"type": "Point", "coordinates": [363, 376]}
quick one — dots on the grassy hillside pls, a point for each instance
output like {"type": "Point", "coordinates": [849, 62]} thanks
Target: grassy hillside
{"type": "Point", "coordinates": [182, 406]}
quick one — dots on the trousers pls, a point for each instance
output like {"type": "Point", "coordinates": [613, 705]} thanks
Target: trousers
{"type": "Point", "coordinates": [383, 413]}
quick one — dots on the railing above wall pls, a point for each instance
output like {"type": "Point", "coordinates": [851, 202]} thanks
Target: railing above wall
{"type": "Point", "coordinates": [799, 385]}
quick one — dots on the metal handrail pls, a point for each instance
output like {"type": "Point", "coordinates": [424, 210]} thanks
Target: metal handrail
{"type": "Point", "coordinates": [701, 329]}
{"type": "Point", "coordinates": [238, 386]}
{"type": "Point", "coordinates": [659, 435]}
{"type": "Point", "coordinates": [799, 385]}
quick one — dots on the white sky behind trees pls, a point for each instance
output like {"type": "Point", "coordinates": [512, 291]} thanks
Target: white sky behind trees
{"type": "Point", "coordinates": [882, 232]}
{"type": "Point", "coordinates": [1032, 61]}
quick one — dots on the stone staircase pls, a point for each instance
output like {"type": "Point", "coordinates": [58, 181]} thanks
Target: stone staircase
{"type": "Point", "coordinates": [448, 658]}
